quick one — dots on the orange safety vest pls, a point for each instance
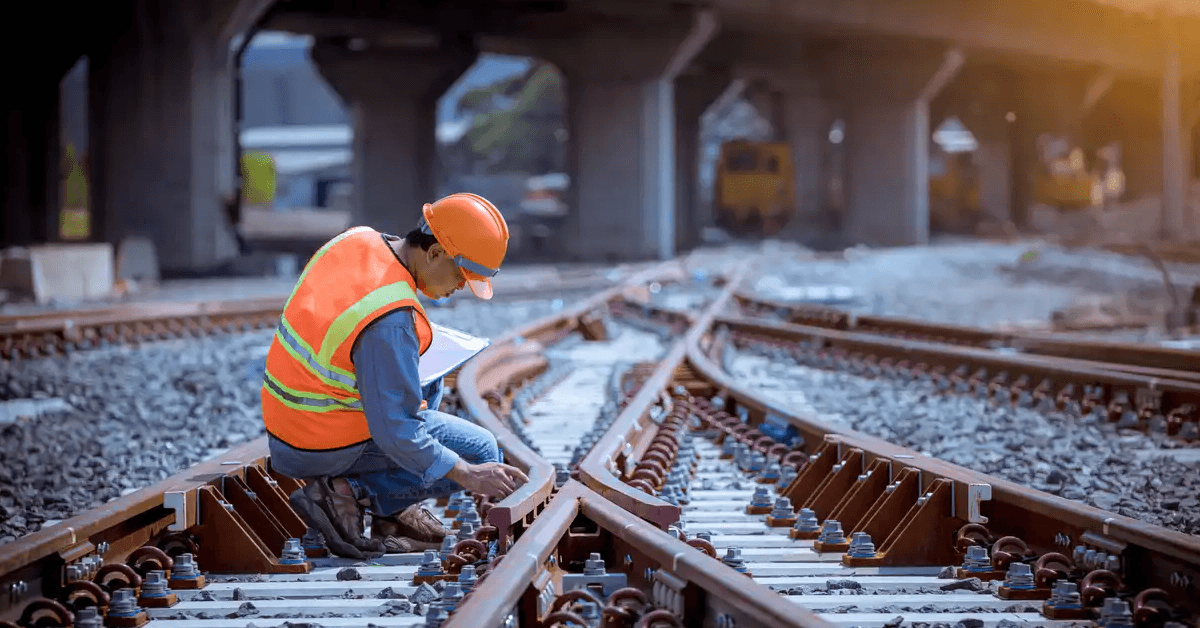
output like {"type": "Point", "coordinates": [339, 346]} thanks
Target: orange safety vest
{"type": "Point", "coordinates": [310, 395]}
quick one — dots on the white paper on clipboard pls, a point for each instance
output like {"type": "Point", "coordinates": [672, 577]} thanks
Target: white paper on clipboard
{"type": "Point", "coordinates": [448, 350]}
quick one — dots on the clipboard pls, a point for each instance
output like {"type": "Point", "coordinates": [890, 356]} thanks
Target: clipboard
{"type": "Point", "coordinates": [449, 349]}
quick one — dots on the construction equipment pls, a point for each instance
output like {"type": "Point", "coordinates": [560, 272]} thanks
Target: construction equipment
{"type": "Point", "coordinates": [755, 187]}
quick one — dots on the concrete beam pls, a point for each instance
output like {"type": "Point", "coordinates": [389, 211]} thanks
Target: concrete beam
{"type": "Point", "coordinates": [392, 96]}
{"type": "Point", "coordinates": [1073, 31]}
{"type": "Point", "coordinates": [1175, 179]}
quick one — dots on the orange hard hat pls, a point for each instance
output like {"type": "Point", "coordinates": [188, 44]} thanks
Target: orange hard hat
{"type": "Point", "coordinates": [473, 232]}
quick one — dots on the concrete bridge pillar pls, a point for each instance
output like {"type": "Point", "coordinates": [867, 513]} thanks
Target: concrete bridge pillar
{"type": "Point", "coordinates": [805, 122]}
{"type": "Point", "coordinates": [621, 123]}
{"type": "Point", "coordinates": [694, 94]}
{"type": "Point", "coordinates": [886, 102]}
{"type": "Point", "coordinates": [392, 96]}
{"type": "Point", "coordinates": [161, 132]}
{"type": "Point", "coordinates": [993, 158]}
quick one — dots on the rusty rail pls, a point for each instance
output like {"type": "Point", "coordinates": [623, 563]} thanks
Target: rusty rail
{"type": "Point", "coordinates": [632, 432]}
{"type": "Point", "coordinates": [529, 580]}
{"type": "Point", "coordinates": [1151, 361]}
{"type": "Point", "coordinates": [1156, 557]}
{"type": "Point", "coordinates": [517, 357]}
{"type": "Point", "coordinates": [1062, 380]}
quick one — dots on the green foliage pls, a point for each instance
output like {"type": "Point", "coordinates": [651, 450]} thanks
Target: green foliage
{"type": "Point", "coordinates": [523, 138]}
{"type": "Point", "coordinates": [258, 178]}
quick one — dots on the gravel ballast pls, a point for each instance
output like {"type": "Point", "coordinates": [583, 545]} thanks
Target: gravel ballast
{"type": "Point", "coordinates": [137, 415]}
{"type": "Point", "coordinates": [1152, 478]}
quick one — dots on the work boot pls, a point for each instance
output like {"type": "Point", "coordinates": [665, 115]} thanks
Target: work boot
{"type": "Point", "coordinates": [410, 530]}
{"type": "Point", "coordinates": [339, 517]}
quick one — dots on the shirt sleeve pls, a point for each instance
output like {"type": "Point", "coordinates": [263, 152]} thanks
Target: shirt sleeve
{"type": "Point", "coordinates": [385, 362]}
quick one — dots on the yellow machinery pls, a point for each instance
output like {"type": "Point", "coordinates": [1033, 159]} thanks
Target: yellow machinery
{"type": "Point", "coordinates": [1065, 182]}
{"type": "Point", "coordinates": [953, 190]}
{"type": "Point", "coordinates": [755, 187]}
{"type": "Point", "coordinates": [258, 179]}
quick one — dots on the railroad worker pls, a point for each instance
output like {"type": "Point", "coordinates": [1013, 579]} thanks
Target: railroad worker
{"type": "Point", "coordinates": [342, 400]}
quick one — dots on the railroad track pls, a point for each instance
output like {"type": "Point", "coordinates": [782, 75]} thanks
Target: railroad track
{"type": "Point", "coordinates": [59, 332]}
{"type": "Point", "coordinates": [1140, 359]}
{"type": "Point", "coordinates": [639, 532]}
{"type": "Point", "coordinates": [1054, 376]}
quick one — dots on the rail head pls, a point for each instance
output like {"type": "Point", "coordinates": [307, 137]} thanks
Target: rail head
{"type": "Point", "coordinates": [596, 468]}
{"type": "Point", "coordinates": [534, 569]}
{"type": "Point", "coordinates": [1036, 517]}
{"type": "Point", "coordinates": [475, 379]}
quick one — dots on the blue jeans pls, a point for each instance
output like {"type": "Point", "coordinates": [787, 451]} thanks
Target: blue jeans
{"type": "Point", "coordinates": [390, 488]}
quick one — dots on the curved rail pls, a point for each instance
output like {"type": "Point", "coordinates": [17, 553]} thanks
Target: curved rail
{"type": "Point", "coordinates": [631, 433]}
{"type": "Point", "coordinates": [1134, 358]}
{"type": "Point", "coordinates": [516, 357]}
{"type": "Point", "coordinates": [1157, 556]}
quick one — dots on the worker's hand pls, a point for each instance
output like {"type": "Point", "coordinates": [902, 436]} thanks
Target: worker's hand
{"type": "Point", "coordinates": [492, 479]}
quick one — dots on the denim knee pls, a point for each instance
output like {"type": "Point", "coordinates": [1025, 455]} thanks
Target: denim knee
{"type": "Point", "coordinates": [489, 450]}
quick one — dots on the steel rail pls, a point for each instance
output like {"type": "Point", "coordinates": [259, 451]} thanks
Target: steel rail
{"type": "Point", "coordinates": [1158, 557]}
{"type": "Point", "coordinates": [514, 357]}
{"type": "Point", "coordinates": [1178, 400]}
{"type": "Point", "coordinates": [633, 429]}
{"type": "Point", "coordinates": [538, 561]}
{"type": "Point", "coordinates": [1151, 361]}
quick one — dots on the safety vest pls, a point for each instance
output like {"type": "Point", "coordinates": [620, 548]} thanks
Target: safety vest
{"type": "Point", "coordinates": [310, 396]}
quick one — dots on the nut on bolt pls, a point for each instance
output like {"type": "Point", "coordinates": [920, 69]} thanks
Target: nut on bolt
{"type": "Point", "coordinates": [761, 503]}
{"type": "Point", "coordinates": [1019, 584]}
{"type": "Point", "coordinates": [781, 515]}
{"type": "Point", "coordinates": [807, 527]}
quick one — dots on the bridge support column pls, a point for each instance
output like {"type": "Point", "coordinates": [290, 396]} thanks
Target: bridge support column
{"type": "Point", "coordinates": [621, 123]}
{"type": "Point", "coordinates": [993, 158]}
{"type": "Point", "coordinates": [30, 204]}
{"type": "Point", "coordinates": [1176, 221]}
{"type": "Point", "coordinates": [161, 133]}
{"type": "Point", "coordinates": [806, 119]}
{"type": "Point", "coordinates": [887, 143]}
{"type": "Point", "coordinates": [392, 95]}
{"type": "Point", "coordinates": [694, 94]}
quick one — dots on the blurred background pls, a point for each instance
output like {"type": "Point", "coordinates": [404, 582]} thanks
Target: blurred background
{"type": "Point", "coordinates": [233, 137]}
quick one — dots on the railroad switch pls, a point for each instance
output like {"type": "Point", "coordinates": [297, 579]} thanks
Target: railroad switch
{"type": "Point", "coordinates": [124, 612]}
{"type": "Point", "coordinates": [1019, 584]}
{"type": "Point", "coordinates": [761, 503]}
{"type": "Point", "coordinates": [1065, 603]}
{"type": "Point", "coordinates": [154, 593]}
{"type": "Point", "coordinates": [782, 516]}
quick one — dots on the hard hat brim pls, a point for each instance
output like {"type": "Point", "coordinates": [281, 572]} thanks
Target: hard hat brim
{"type": "Point", "coordinates": [480, 286]}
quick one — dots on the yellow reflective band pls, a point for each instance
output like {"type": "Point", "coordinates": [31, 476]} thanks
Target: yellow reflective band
{"type": "Point", "coordinates": [308, 402]}
{"type": "Point", "coordinates": [341, 328]}
{"type": "Point", "coordinates": [301, 352]}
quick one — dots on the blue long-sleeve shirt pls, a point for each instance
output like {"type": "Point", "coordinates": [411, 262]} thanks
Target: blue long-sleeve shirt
{"type": "Point", "coordinates": [385, 359]}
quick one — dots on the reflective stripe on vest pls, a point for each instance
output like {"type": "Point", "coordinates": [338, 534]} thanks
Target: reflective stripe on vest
{"type": "Point", "coordinates": [310, 396]}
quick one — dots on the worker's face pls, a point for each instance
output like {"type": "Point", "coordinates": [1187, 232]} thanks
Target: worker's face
{"type": "Point", "coordinates": [442, 277]}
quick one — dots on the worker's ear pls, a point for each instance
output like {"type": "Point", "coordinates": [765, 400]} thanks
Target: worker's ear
{"type": "Point", "coordinates": [436, 251]}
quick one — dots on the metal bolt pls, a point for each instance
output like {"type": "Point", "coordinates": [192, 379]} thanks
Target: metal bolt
{"type": "Point", "coordinates": [467, 531]}
{"type": "Point", "coordinates": [594, 565]}
{"type": "Point", "coordinates": [1065, 595]}
{"type": "Point", "coordinates": [466, 578]}
{"type": "Point", "coordinates": [807, 521]}
{"type": "Point", "coordinates": [447, 548]}
{"type": "Point", "coordinates": [977, 559]}
{"type": "Point", "coordinates": [155, 584]}
{"type": "Point", "coordinates": [184, 569]}
{"type": "Point", "coordinates": [733, 558]}
{"type": "Point", "coordinates": [861, 545]}
{"type": "Point", "coordinates": [1062, 539]}
{"type": "Point", "coordinates": [431, 565]}
{"type": "Point", "coordinates": [313, 538]}
{"type": "Point", "coordinates": [435, 615]}
{"type": "Point", "coordinates": [1115, 614]}
{"type": "Point", "coordinates": [451, 595]}
{"type": "Point", "coordinates": [123, 604]}
{"type": "Point", "coordinates": [831, 532]}
{"type": "Point", "coordinates": [786, 474]}
{"type": "Point", "coordinates": [783, 508]}
{"type": "Point", "coordinates": [293, 553]}
{"type": "Point", "coordinates": [1019, 576]}
{"type": "Point", "coordinates": [88, 617]}
{"type": "Point", "coordinates": [761, 497]}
